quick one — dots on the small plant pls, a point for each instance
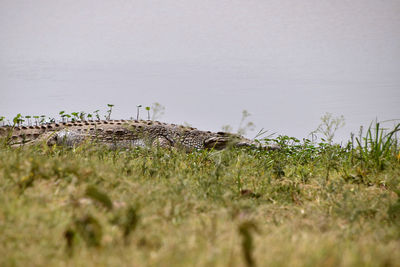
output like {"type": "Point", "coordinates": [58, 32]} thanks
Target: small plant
{"type": "Point", "coordinates": [243, 125]}
{"type": "Point", "coordinates": [2, 120]}
{"type": "Point", "coordinates": [329, 126]}
{"type": "Point", "coordinates": [96, 112]}
{"type": "Point", "coordinates": [108, 117]}
{"type": "Point", "coordinates": [137, 111]}
{"type": "Point", "coordinates": [36, 118]}
{"type": "Point", "coordinates": [29, 119]}
{"type": "Point", "coordinates": [158, 111]}
{"type": "Point", "coordinates": [148, 113]}
{"type": "Point", "coordinates": [67, 116]}
{"type": "Point", "coordinates": [75, 116]}
{"type": "Point", "coordinates": [18, 120]}
{"type": "Point", "coordinates": [82, 115]}
{"type": "Point", "coordinates": [42, 119]}
{"type": "Point", "coordinates": [62, 114]}
{"type": "Point", "coordinates": [378, 145]}
{"type": "Point", "coordinates": [262, 133]}
{"type": "Point", "coordinates": [227, 128]}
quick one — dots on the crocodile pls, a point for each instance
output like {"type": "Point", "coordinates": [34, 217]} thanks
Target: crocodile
{"type": "Point", "coordinates": [124, 134]}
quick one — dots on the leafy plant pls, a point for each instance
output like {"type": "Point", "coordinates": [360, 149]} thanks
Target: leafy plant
{"type": "Point", "coordinates": [137, 111]}
{"type": "Point", "coordinates": [158, 111]}
{"type": "Point", "coordinates": [378, 145]}
{"type": "Point", "coordinates": [148, 113]}
{"type": "Point", "coordinates": [42, 118]}
{"type": "Point", "coordinates": [82, 115]}
{"type": "Point", "coordinates": [329, 126]}
{"type": "Point", "coordinates": [76, 116]}
{"type": "Point", "coordinates": [36, 119]}
{"type": "Point", "coordinates": [96, 112]}
{"type": "Point", "coordinates": [64, 115]}
{"type": "Point", "coordinates": [28, 117]}
{"type": "Point", "coordinates": [17, 120]}
{"type": "Point", "coordinates": [108, 117]}
{"type": "Point", "coordinates": [243, 125]}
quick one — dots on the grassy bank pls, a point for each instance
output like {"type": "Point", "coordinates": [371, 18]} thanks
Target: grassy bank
{"type": "Point", "coordinates": [306, 205]}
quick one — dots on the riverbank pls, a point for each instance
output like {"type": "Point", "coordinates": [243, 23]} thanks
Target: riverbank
{"type": "Point", "coordinates": [306, 205]}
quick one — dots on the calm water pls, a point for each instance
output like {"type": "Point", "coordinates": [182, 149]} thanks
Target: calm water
{"type": "Point", "coordinates": [287, 64]}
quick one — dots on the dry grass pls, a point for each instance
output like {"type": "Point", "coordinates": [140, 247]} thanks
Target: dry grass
{"type": "Point", "coordinates": [170, 208]}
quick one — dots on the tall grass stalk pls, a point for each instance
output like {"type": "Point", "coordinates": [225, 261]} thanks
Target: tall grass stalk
{"type": "Point", "coordinates": [378, 144]}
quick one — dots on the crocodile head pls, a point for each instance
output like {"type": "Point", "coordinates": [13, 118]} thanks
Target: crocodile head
{"type": "Point", "coordinates": [217, 142]}
{"type": "Point", "coordinates": [223, 140]}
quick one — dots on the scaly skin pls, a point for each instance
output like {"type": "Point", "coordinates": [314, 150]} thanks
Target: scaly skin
{"type": "Point", "coordinates": [124, 134]}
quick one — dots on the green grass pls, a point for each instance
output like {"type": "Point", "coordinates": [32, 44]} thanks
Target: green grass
{"type": "Point", "coordinates": [306, 205]}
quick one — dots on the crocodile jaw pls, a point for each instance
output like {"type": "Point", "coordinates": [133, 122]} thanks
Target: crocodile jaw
{"type": "Point", "coordinates": [216, 142]}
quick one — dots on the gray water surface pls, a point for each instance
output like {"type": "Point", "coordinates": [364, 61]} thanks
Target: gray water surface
{"type": "Point", "coordinates": [286, 62]}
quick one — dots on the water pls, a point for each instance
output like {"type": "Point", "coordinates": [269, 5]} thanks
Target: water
{"type": "Point", "coordinates": [287, 64]}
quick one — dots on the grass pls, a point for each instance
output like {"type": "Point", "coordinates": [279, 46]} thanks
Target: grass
{"type": "Point", "coordinates": [306, 205]}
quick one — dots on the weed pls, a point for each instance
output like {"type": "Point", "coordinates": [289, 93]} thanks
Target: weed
{"type": "Point", "coordinates": [378, 145]}
{"type": "Point", "coordinates": [109, 111]}
{"type": "Point", "coordinates": [158, 111]}
{"type": "Point", "coordinates": [75, 116]}
{"type": "Point", "coordinates": [148, 113]}
{"type": "Point", "coordinates": [329, 126]}
{"type": "Point", "coordinates": [137, 111]}
{"type": "Point", "coordinates": [42, 118]}
{"type": "Point", "coordinates": [243, 125]}
{"type": "Point", "coordinates": [17, 120]}
{"type": "Point", "coordinates": [96, 112]}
